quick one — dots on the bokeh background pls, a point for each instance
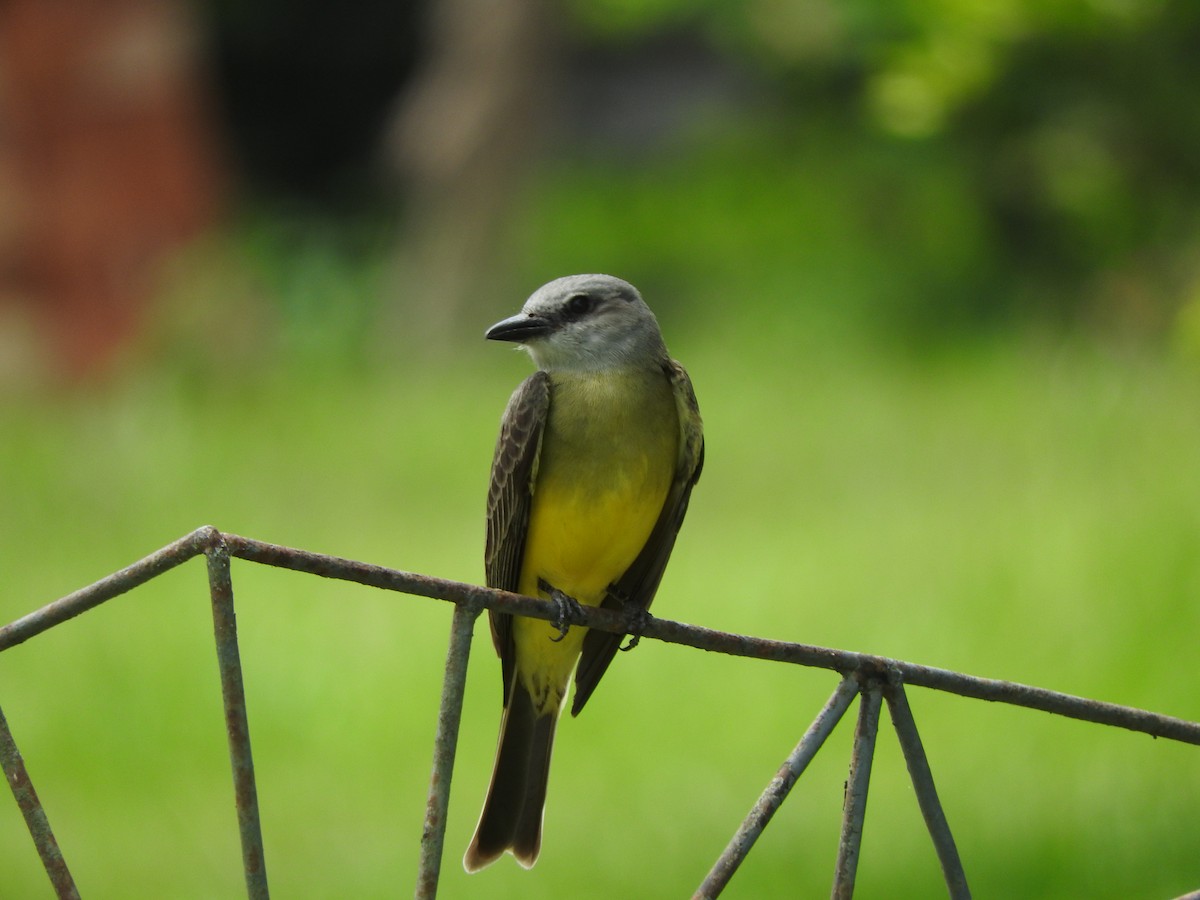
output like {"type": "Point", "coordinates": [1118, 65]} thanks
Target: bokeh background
{"type": "Point", "coordinates": [934, 268]}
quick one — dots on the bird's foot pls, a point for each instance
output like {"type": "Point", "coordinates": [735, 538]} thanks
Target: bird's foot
{"type": "Point", "coordinates": [569, 611]}
{"type": "Point", "coordinates": [637, 619]}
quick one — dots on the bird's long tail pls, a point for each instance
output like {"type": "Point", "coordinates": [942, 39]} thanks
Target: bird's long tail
{"type": "Point", "coordinates": [512, 813]}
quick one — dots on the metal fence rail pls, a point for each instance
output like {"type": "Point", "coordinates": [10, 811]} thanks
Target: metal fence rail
{"type": "Point", "coordinates": [874, 679]}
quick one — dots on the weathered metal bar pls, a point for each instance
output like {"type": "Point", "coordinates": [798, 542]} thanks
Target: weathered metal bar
{"type": "Point", "coordinates": [35, 815]}
{"type": "Point", "coordinates": [372, 575]}
{"type": "Point", "coordinates": [855, 805]}
{"type": "Point", "coordinates": [843, 661]}
{"type": "Point", "coordinates": [777, 790]}
{"type": "Point", "coordinates": [237, 723]}
{"type": "Point", "coordinates": [106, 588]}
{"type": "Point", "coordinates": [927, 797]}
{"type": "Point", "coordinates": [444, 748]}
{"type": "Point", "coordinates": [1068, 705]}
{"type": "Point", "coordinates": [964, 685]}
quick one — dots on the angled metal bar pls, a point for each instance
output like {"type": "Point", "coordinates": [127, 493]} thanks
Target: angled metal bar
{"type": "Point", "coordinates": [106, 588]}
{"type": "Point", "coordinates": [842, 661]}
{"type": "Point", "coordinates": [927, 793]}
{"type": "Point", "coordinates": [219, 547]}
{"type": "Point", "coordinates": [1068, 705]}
{"type": "Point", "coordinates": [35, 815]}
{"type": "Point", "coordinates": [854, 810]}
{"type": "Point", "coordinates": [777, 790]}
{"type": "Point", "coordinates": [237, 724]}
{"type": "Point", "coordinates": [445, 745]}
{"type": "Point", "coordinates": [927, 797]}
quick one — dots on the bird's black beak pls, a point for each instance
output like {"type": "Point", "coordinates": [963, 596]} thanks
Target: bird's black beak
{"type": "Point", "coordinates": [519, 329]}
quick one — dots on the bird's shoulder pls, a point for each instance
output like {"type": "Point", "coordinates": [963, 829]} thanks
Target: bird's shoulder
{"type": "Point", "coordinates": [691, 425]}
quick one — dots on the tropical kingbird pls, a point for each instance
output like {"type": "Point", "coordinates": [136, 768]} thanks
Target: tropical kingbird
{"type": "Point", "coordinates": [596, 459]}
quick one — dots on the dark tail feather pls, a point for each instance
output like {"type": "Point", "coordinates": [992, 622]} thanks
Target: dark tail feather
{"type": "Point", "coordinates": [512, 813]}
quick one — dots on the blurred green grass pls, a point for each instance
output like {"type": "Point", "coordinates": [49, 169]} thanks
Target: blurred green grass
{"type": "Point", "coordinates": [1019, 508]}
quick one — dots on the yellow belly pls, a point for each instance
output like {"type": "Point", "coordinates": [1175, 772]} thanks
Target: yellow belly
{"type": "Point", "coordinates": [608, 457]}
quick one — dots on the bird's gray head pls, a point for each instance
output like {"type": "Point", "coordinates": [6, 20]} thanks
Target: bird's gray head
{"type": "Point", "coordinates": [584, 323]}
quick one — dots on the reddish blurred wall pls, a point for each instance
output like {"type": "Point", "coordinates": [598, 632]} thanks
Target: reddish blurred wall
{"type": "Point", "coordinates": [107, 164]}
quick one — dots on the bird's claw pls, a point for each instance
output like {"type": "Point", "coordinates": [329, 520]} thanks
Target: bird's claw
{"type": "Point", "coordinates": [569, 612]}
{"type": "Point", "coordinates": [638, 619]}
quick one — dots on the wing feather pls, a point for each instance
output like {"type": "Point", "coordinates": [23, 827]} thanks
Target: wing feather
{"type": "Point", "coordinates": [514, 467]}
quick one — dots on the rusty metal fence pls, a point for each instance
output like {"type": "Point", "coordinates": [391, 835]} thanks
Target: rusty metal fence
{"type": "Point", "coordinates": [874, 680]}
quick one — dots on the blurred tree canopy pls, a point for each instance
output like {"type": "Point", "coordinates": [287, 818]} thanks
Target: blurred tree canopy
{"type": "Point", "coordinates": [1070, 128]}
{"type": "Point", "coordinates": [917, 168]}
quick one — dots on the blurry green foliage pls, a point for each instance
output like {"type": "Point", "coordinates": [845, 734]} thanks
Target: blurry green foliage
{"type": "Point", "coordinates": [998, 161]}
{"type": "Point", "coordinates": [907, 173]}
{"type": "Point", "coordinates": [776, 227]}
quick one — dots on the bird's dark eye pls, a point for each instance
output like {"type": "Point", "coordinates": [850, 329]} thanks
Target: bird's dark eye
{"type": "Point", "coordinates": [578, 305]}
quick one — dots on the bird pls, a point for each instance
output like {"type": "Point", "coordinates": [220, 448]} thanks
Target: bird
{"type": "Point", "coordinates": [598, 452]}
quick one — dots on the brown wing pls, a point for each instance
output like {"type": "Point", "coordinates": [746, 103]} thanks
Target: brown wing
{"type": "Point", "coordinates": [637, 586]}
{"type": "Point", "coordinates": [514, 467]}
